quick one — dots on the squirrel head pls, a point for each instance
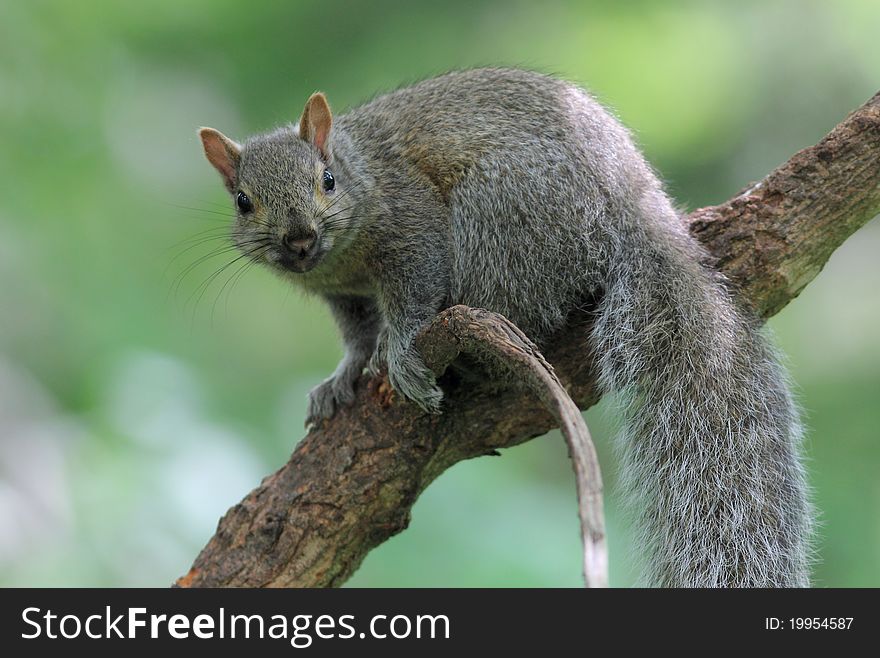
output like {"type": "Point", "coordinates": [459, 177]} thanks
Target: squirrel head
{"type": "Point", "coordinates": [289, 198]}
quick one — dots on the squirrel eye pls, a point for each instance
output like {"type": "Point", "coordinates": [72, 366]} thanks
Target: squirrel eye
{"type": "Point", "coordinates": [243, 202]}
{"type": "Point", "coordinates": [329, 181]}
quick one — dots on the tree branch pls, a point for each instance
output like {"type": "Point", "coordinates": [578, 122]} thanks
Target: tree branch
{"type": "Point", "coordinates": [350, 484]}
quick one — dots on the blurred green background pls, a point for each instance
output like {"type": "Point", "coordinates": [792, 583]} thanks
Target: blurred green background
{"type": "Point", "coordinates": [134, 410]}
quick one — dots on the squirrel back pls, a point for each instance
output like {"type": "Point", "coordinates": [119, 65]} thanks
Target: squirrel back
{"type": "Point", "coordinates": [519, 193]}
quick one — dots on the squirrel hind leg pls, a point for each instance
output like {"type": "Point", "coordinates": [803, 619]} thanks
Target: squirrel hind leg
{"type": "Point", "coordinates": [529, 260]}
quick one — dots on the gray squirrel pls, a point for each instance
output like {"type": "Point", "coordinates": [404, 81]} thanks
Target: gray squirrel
{"type": "Point", "coordinates": [517, 192]}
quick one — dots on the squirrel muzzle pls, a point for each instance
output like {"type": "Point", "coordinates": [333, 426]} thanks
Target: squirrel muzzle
{"type": "Point", "coordinates": [300, 250]}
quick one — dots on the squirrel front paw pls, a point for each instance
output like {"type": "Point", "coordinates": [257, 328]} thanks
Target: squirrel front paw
{"type": "Point", "coordinates": [328, 396]}
{"type": "Point", "coordinates": [407, 373]}
{"type": "Point", "coordinates": [410, 377]}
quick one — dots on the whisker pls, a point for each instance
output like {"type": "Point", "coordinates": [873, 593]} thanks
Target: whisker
{"type": "Point", "coordinates": [189, 243]}
{"type": "Point", "coordinates": [194, 245]}
{"type": "Point", "coordinates": [356, 183]}
{"type": "Point", "coordinates": [335, 218]}
{"type": "Point", "coordinates": [251, 220]}
{"type": "Point", "coordinates": [339, 198]}
{"type": "Point", "coordinates": [203, 236]}
{"type": "Point", "coordinates": [201, 259]}
{"type": "Point", "coordinates": [178, 280]}
{"type": "Point", "coordinates": [233, 280]}
{"type": "Point", "coordinates": [338, 224]}
{"type": "Point", "coordinates": [204, 210]}
{"type": "Point", "coordinates": [213, 229]}
{"type": "Point", "coordinates": [214, 203]}
{"type": "Point", "coordinates": [214, 233]}
{"type": "Point", "coordinates": [200, 291]}
{"type": "Point", "coordinates": [338, 212]}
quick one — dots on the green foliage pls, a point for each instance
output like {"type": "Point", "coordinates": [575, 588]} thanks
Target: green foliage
{"type": "Point", "coordinates": [134, 409]}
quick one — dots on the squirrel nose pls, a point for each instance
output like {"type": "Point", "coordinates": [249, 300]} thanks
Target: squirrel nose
{"type": "Point", "coordinates": [300, 243]}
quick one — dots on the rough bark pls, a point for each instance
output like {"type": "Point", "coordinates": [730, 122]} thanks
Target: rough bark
{"type": "Point", "coordinates": [350, 483]}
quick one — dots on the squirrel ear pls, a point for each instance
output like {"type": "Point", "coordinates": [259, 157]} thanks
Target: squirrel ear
{"type": "Point", "coordinates": [315, 123]}
{"type": "Point", "coordinates": [223, 153]}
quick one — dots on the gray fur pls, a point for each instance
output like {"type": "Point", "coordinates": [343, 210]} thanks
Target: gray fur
{"type": "Point", "coordinates": [517, 192]}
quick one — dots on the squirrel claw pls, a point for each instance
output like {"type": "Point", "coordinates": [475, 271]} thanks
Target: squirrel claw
{"type": "Point", "coordinates": [327, 398]}
{"type": "Point", "coordinates": [414, 381]}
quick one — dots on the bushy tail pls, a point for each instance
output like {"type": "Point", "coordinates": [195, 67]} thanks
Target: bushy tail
{"type": "Point", "coordinates": [711, 434]}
